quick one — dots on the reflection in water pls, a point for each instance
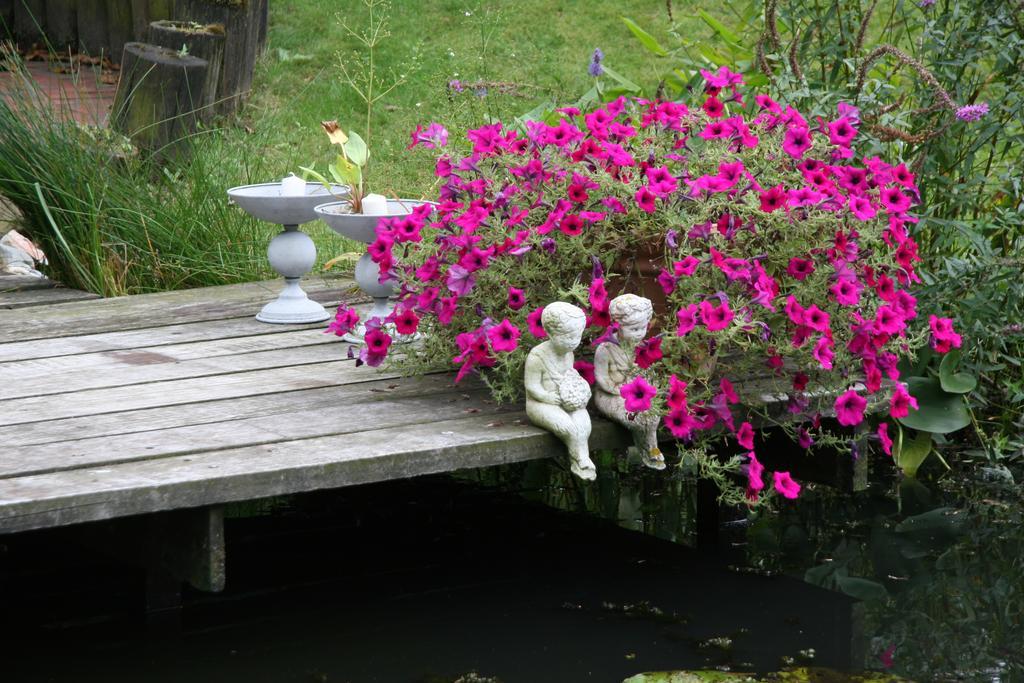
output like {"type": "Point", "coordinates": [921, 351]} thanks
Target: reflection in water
{"type": "Point", "coordinates": [938, 566]}
{"type": "Point", "coordinates": [427, 579]}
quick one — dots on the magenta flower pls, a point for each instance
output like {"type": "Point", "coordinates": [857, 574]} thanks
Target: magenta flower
{"type": "Point", "coordinates": [841, 132]}
{"type": "Point", "coordinates": [460, 281]}
{"type": "Point", "coordinates": [345, 320]}
{"type": "Point", "coordinates": [645, 199]}
{"type": "Point", "coordinates": [680, 422]}
{"type": "Point", "coordinates": [686, 267]}
{"type": "Point", "coordinates": [376, 349]}
{"type": "Point", "coordinates": [648, 352]}
{"type": "Point", "coordinates": [713, 107]}
{"type": "Point", "coordinates": [533, 323]}
{"type": "Point", "coordinates": [944, 338]}
{"type": "Point", "coordinates": [745, 436]}
{"type": "Point", "coordinates": [785, 485]}
{"type": "Point", "coordinates": [846, 292]}
{"type": "Point", "coordinates": [586, 371]}
{"type": "Point", "coordinates": [773, 199]}
{"type": "Point", "coordinates": [816, 319]}
{"type": "Point", "coordinates": [504, 336]}
{"type": "Point", "coordinates": [883, 437]}
{"type": "Point", "coordinates": [432, 137]}
{"type": "Point", "coordinates": [888, 321]}
{"type": "Point", "coordinates": [800, 268]}
{"type": "Point", "coordinates": [797, 141]}
{"type": "Point", "coordinates": [850, 408]}
{"type": "Point", "coordinates": [901, 402]}
{"type": "Point", "coordinates": [637, 395]}
{"type": "Point", "coordinates": [804, 438]}
{"type": "Point", "coordinates": [723, 78]}
{"type": "Point", "coordinates": [894, 200]}
{"type": "Point", "coordinates": [676, 393]}
{"type": "Point", "coordinates": [715, 318]}
{"type": "Point", "coordinates": [728, 391]}
{"type": "Point", "coordinates": [516, 298]}
{"type": "Point", "coordinates": [406, 321]}
{"type": "Point", "coordinates": [861, 207]}
{"type": "Point", "coordinates": [824, 353]}
{"type": "Point", "coordinates": [755, 470]}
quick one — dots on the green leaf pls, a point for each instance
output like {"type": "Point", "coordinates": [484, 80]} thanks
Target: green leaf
{"type": "Point", "coordinates": [910, 453]}
{"type": "Point", "coordinates": [720, 28]}
{"type": "Point", "coordinates": [626, 84]}
{"type": "Point", "coordinates": [645, 38]}
{"type": "Point", "coordinates": [356, 150]}
{"type": "Point", "coordinates": [938, 411]}
{"type": "Point", "coordinates": [862, 589]}
{"type": "Point", "coordinates": [952, 381]}
{"type": "Point", "coordinates": [345, 172]}
{"type": "Point", "coordinates": [940, 524]}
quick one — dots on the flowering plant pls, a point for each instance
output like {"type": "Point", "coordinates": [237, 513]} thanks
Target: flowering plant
{"type": "Point", "coordinates": [777, 256]}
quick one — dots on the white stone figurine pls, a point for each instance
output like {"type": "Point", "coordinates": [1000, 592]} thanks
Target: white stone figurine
{"type": "Point", "coordinates": [556, 394]}
{"type": "Point", "coordinates": [615, 365]}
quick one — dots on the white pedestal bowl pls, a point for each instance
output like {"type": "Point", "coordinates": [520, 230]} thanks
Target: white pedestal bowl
{"type": "Point", "coordinates": [291, 253]}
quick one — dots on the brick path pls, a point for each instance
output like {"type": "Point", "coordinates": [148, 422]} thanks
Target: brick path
{"type": "Point", "coordinates": [81, 96]}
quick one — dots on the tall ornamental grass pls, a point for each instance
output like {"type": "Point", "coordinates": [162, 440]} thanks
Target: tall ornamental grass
{"type": "Point", "coordinates": [116, 221]}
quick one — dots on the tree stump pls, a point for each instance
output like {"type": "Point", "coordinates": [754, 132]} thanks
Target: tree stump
{"type": "Point", "coordinates": [241, 21]}
{"type": "Point", "coordinates": [92, 27]}
{"type": "Point", "coordinates": [62, 24]}
{"type": "Point", "coordinates": [29, 22]}
{"type": "Point", "coordinates": [119, 27]}
{"type": "Point", "coordinates": [203, 41]}
{"type": "Point", "coordinates": [157, 96]}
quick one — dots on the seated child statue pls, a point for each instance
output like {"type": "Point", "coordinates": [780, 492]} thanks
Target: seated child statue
{"type": "Point", "coordinates": [556, 394]}
{"type": "Point", "coordinates": [615, 365]}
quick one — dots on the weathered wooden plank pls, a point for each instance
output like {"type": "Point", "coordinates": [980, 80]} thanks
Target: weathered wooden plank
{"type": "Point", "coordinates": [43, 297]}
{"type": "Point", "coordinates": [379, 411]}
{"type": "Point", "coordinates": [90, 494]}
{"type": "Point", "coordinates": [176, 392]}
{"type": "Point", "coordinates": [35, 369]}
{"type": "Point", "coordinates": [132, 421]}
{"type": "Point", "coordinates": [126, 368]}
{"type": "Point", "coordinates": [209, 330]}
{"type": "Point", "coordinates": [162, 308]}
{"type": "Point", "coordinates": [14, 283]}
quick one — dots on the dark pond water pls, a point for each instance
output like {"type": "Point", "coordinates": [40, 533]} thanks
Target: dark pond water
{"type": "Point", "coordinates": [430, 579]}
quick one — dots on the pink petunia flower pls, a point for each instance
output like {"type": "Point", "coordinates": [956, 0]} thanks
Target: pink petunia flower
{"type": "Point", "coordinates": [586, 371]}
{"type": "Point", "coordinates": [797, 141]}
{"type": "Point", "coordinates": [533, 322]}
{"type": "Point", "coordinates": [849, 408]}
{"type": "Point", "coordinates": [406, 321]}
{"type": "Point", "coordinates": [504, 336]}
{"type": "Point", "coordinates": [901, 402]}
{"type": "Point", "coordinates": [745, 436]}
{"type": "Point", "coordinates": [785, 485]}
{"type": "Point", "coordinates": [883, 437]}
{"type": "Point", "coordinates": [516, 298]}
{"type": "Point", "coordinates": [648, 352]}
{"type": "Point", "coordinates": [773, 199]}
{"type": "Point", "coordinates": [676, 398]}
{"type": "Point", "coordinates": [715, 318]}
{"type": "Point", "coordinates": [645, 199]}
{"type": "Point", "coordinates": [800, 268]}
{"type": "Point", "coordinates": [637, 395]}
{"type": "Point", "coordinates": [687, 318]}
{"type": "Point", "coordinates": [686, 267]}
{"type": "Point", "coordinates": [944, 338]}
{"type": "Point", "coordinates": [729, 391]}
{"type": "Point", "coordinates": [755, 470]}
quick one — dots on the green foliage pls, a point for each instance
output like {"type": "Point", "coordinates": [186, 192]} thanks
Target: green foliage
{"type": "Point", "coordinates": [909, 68]}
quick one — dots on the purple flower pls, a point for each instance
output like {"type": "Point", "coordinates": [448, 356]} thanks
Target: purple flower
{"type": "Point", "coordinates": [926, 3]}
{"type": "Point", "coordinates": [595, 68]}
{"type": "Point", "coordinates": [460, 281]}
{"type": "Point", "coordinates": [972, 112]}
{"type": "Point", "coordinates": [455, 85]}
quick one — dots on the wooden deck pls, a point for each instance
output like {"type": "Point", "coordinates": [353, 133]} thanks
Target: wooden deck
{"type": "Point", "coordinates": [118, 407]}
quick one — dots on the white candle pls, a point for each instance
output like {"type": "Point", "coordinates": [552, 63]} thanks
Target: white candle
{"type": "Point", "coordinates": [375, 205]}
{"type": "Point", "coordinates": [293, 186]}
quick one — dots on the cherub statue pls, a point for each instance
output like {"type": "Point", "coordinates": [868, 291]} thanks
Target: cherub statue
{"type": "Point", "coordinates": [615, 364]}
{"type": "Point", "coordinates": [556, 394]}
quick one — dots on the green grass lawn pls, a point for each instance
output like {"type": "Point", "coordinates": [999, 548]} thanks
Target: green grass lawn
{"type": "Point", "coordinates": [523, 52]}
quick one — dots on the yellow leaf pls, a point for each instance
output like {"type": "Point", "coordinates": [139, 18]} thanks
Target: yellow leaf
{"type": "Point", "coordinates": [334, 132]}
